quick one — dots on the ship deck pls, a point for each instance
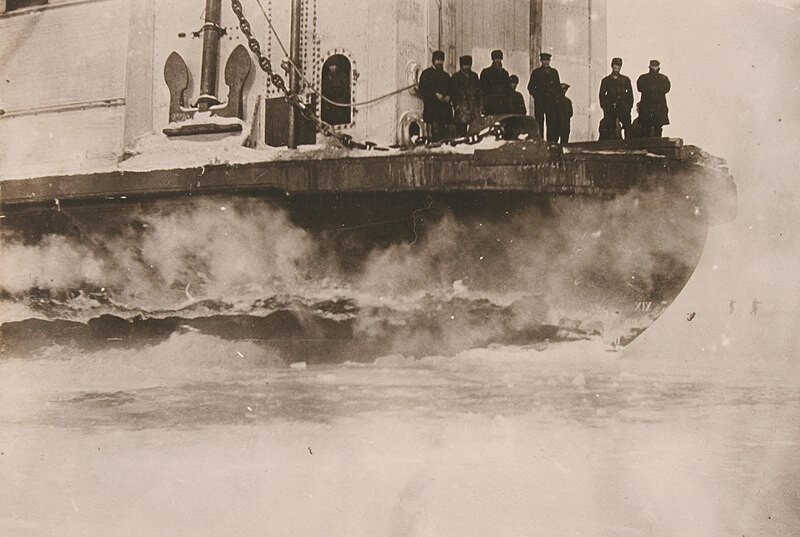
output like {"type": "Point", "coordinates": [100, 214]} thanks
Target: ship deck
{"type": "Point", "coordinates": [596, 169]}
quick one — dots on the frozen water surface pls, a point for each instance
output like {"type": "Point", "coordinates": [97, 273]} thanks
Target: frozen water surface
{"type": "Point", "coordinates": [199, 436]}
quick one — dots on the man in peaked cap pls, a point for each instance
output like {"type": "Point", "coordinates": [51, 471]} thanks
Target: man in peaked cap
{"type": "Point", "coordinates": [653, 111]}
{"type": "Point", "coordinates": [466, 95]}
{"type": "Point", "coordinates": [616, 100]}
{"type": "Point", "coordinates": [545, 88]}
{"type": "Point", "coordinates": [496, 86]}
{"type": "Point", "coordinates": [435, 89]}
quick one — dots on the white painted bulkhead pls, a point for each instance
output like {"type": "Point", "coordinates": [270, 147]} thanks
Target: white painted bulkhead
{"type": "Point", "coordinates": [100, 84]}
{"type": "Point", "coordinates": [62, 86]}
{"type": "Point", "coordinates": [574, 32]}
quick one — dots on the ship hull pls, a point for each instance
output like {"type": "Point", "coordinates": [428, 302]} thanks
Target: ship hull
{"type": "Point", "coordinates": [416, 252]}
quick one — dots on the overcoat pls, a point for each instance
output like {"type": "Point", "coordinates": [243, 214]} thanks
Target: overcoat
{"type": "Point", "coordinates": [466, 89]}
{"type": "Point", "coordinates": [653, 107]}
{"type": "Point", "coordinates": [431, 82]}
{"type": "Point", "coordinates": [518, 104]}
{"type": "Point", "coordinates": [545, 86]}
{"type": "Point", "coordinates": [616, 93]}
{"type": "Point", "coordinates": [496, 90]}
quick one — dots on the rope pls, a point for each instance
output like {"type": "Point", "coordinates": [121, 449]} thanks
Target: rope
{"type": "Point", "coordinates": [427, 207]}
{"type": "Point", "coordinates": [311, 86]}
{"type": "Point", "coordinates": [413, 216]}
{"type": "Point", "coordinates": [358, 104]}
{"type": "Point", "coordinates": [324, 128]}
{"type": "Point", "coordinates": [291, 97]}
{"type": "Point", "coordinates": [428, 204]}
{"type": "Point", "coordinates": [271, 27]}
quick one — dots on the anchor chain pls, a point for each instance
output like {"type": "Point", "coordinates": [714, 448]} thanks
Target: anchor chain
{"type": "Point", "coordinates": [321, 126]}
{"type": "Point", "coordinates": [291, 97]}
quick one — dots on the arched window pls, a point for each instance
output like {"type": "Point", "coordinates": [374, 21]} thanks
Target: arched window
{"type": "Point", "coordinates": [336, 90]}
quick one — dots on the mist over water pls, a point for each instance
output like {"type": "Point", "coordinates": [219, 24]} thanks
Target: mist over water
{"type": "Point", "coordinates": [461, 282]}
{"type": "Point", "coordinates": [449, 429]}
{"type": "Point", "coordinates": [203, 435]}
{"type": "Point", "coordinates": [156, 259]}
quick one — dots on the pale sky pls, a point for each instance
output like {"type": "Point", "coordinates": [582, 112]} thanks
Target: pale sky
{"type": "Point", "coordinates": [725, 58]}
{"type": "Point", "coordinates": [735, 72]}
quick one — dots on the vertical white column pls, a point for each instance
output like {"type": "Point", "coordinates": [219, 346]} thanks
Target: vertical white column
{"type": "Point", "coordinates": [139, 70]}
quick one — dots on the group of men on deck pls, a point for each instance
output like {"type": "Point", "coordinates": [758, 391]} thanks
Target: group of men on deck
{"type": "Point", "coordinates": [616, 100]}
{"type": "Point", "coordinates": [452, 104]}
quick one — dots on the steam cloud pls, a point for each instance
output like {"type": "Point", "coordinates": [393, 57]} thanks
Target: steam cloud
{"type": "Point", "coordinates": [203, 248]}
{"type": "Point", "coordinates": [462, 283]}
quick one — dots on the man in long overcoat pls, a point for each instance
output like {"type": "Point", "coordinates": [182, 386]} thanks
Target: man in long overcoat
{"type": "Point", "coordinates": [653, 111]}
{"type": "Point", "coordinates": [616, 100]}
{"type": "Point", "coordinates": [545, 88]}
{"type": "Point", "coordinates": [435, 88]}
{"type": "Point", "coordinates": [496, 86]}
{"type": "Point", "coordinates": [466, 91]}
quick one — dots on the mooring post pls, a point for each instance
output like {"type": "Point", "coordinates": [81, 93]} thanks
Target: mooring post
{"type": "Point", "coordinates": [294, 79]}
{"type": "Point", "coordinates": [208, 76]}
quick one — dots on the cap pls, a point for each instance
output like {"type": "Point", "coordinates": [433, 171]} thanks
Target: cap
{"type": "Point", "coordinates": [497, 54]}
{"type": "Point", "coordinates": [564, 85]}
{"type": "Point", "coordinates": [437, 55]}
{"type": "Point", "coordinates": [655, 63]}
{"type": "Point", "coordinates": [616, 61]}
{"type": "Point", "coordinates": [545, 56]}
{"type": "Point", "coordinates": [465, 60]}
{"type": "Point", "coordinates": [514, 79]}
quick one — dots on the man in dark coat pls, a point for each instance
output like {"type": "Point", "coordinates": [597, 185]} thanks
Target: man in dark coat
{"type": "Point", "coordinates": [545, 88]}
{"type": "Point", "coordinates": [616, 100]}
{"type": "Point", "coordinates": [496, 86]}
{"type": "Point", "coordinates": [563, 116]}
{"type": "Point", "coordinates": [466, 92]}
{"type": "Point", "coordinates": [435, 88]}
{"type": "Point", "coordinates": [653, 111]}
{"type": "Point", "coordinates": [517, 100]}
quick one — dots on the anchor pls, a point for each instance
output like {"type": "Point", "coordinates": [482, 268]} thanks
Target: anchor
{"type": "Point", "coordinates": [176, 75]}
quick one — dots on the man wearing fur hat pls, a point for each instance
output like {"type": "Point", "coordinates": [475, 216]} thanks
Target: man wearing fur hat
{"type": "Point", "coordinates": [466, 95]}
{"type": "Point", "coordinates": [435, 89]}
{"type": "Point", "coordinates": [616, 100]}
{"type": "Point", "coordinates": [653, 111]}
{"type": "Point", "coordinates": [496, 86]}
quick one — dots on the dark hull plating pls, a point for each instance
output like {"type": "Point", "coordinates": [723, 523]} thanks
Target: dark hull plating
{"type": "Point", "coordinates": [596, 240]}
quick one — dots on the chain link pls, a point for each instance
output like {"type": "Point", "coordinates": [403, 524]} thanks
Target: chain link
{"type": "Point", "coordinates": [321, 126]}
{"type": "Point", "coordinates": [291, 97]}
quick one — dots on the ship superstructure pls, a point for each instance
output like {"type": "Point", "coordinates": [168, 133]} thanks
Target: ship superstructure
{"type": "Point", "coordinates": [84, 79]}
